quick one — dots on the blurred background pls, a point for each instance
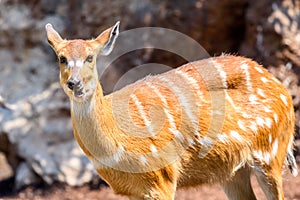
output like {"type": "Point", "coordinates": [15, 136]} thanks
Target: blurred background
{"type": "Point", "coordinates": [37, 148]}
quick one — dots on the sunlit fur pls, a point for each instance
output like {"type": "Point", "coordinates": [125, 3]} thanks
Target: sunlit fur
{"type": "Point", "coordinates": [166, 123]}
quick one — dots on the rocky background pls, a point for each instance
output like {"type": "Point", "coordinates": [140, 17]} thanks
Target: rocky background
{"type": "Point", "coordinates": [36, 141]}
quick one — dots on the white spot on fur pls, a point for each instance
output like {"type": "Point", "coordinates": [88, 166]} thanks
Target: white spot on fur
{"type": "Point", "coordinates": [143, 160]}
{"type": "Point", "coordinates": [270, 138]}
{"type": "Point", "coordinates": [260, 121]}
{"type": "Point", "coordinates": [246, 115]}
{"type": "Point", "coordinates": [260, 92]}
{"type": "Point", "coordinates": [206, 141]}
{"type": "Point", "coordinates": [177, 134]}
{"type": "Point", "coordinates": [191, 141]}
{"type": "Point", "coordinates": [153, 150]}
{"type": "Point", "coordinates": [264, 157]}
{"type": "Point", "coordinates": [253, 98]}
{"type": "Point", "coordinates": [267, 109]}
{"type": "Point", "coordinates": [222, 137]}
{"type": "Point", "coordinates": [284, 99]}
{"type": "Point", "coordinates": [275, 117]}
{"type": "Point", "coordinates": [71, 64]}
{"type": "Point", "coordinates": [118, 155]}
{"type": "Point", "coordinates": [79, 63]}
{"type": "Point", "coordinates": [236, 136]}
{"type": "Point", "coordinates": [259, 69]}
{"type": "Point", "coordinates": [241, 125]}
{"type": "Point", "coordinates": [264, 79]}
{"type": "Point", "coordinates": [268, 122]}
{"type": "Point", "coordinates": [275, 148]}
{"type": "Point", "coordinates": [253, 126]}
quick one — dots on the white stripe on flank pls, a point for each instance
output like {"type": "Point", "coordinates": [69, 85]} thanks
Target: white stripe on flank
{"type": "Point", "coordinates": [222, 73]}
{"type": "Point", "coordinates": [177, 134]}
{"type": "Point", "coordinates": [165, 105]}
{"type": "Point", "coordinates": [229, 99]}
{"type": "Point", "coordinates": [260, 121]}
{"type": "Point", "coordinates": [245, 69]}
{"type": "Point", "coordinates": [143, 160]}
{"type": "Point", "coordinates": [236, 136]}
{"type": "Point", "coordinates": [284, 99]}
{"type": "Point", "coordinates": [263, 157]}
{"type": "Point", "coordinates": [183, 101]}
{"type": "Point", "coordinates": [270, 138]}
{"type": "Point", "coordinates": [260, 92]}
{"type": "Point", "coordinates": [275, 117]}
{"type": "Point", "coordinates": [259, 69]}
{"type": "Point", "coordinates": [253, 126]}
{"type": "Point", "coordinates": [268, 122]}
{"type": "Point", "coordinates": [264, 79]}
{"type": "Point", "coordinates": [222, 137]}
{"type": "Point", "coordinates": [153, 150]}
{"type": "Point", "coordinates": [166, 111]}
{"type": "Point", "coordinates": [192, 81]}
{"type": "Point", "coordinates": [142, 113]}
{"type": "Point", "coordinates": [275, 148]}
{"type": "Point", "coordinates": [241, 125]}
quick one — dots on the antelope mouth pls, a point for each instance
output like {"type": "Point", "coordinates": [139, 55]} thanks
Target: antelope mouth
{"type": "Point", "coordinates": [79, 90]}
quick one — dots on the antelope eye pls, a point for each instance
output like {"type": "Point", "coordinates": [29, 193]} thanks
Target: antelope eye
{"type": "Point", "coordinates": [63, 60]}
{"type": "Point", "coordinates": [89, 58]}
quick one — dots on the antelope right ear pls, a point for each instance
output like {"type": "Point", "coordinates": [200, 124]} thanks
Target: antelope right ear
{"type": "Point", "coordinates": [53, 37]}
{"type": "Point", "coordinates": [105, 41]}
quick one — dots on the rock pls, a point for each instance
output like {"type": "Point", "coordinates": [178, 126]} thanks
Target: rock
{"type": "Point", "coordinates": [25, 176]}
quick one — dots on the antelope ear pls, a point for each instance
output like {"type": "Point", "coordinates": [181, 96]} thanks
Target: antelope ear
{"type": "Point", "coordinates": [106, 40]}
{"type": "Point", "coordinates": [53, 37]}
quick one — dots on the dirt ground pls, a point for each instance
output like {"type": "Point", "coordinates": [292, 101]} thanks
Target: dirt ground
{"type": "Point", "coordinates": [102, 192]}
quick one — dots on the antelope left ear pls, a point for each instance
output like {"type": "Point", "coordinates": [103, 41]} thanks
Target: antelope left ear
{"type": "Point", "coordinates": [106, 40]}
{"type": "Point", "coordinates": [53, 37]}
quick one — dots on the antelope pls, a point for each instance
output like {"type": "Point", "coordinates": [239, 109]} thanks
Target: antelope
{"type": "Point", "coordinates": [212, 121]}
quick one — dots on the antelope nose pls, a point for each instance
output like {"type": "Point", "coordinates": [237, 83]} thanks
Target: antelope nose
{"type": "Point", "coordinates": [72, 82]}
